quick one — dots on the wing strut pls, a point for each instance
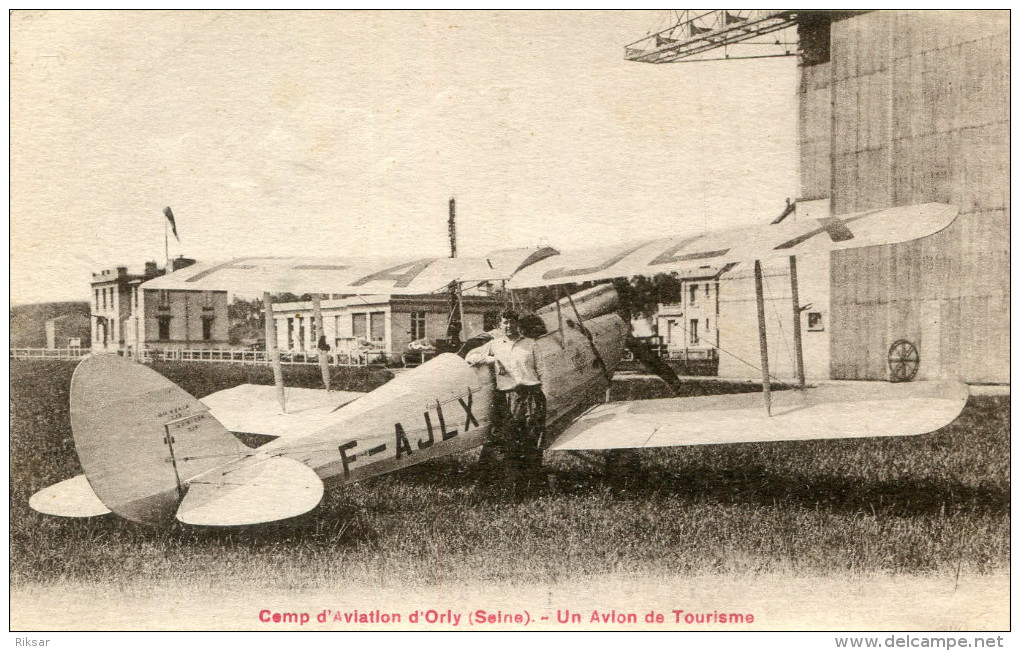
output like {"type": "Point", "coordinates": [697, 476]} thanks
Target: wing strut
{"type": "Point", "coordinates": [321, 341]}
{"type": "Point", "coordinates": [591, 341]}
{"type": "Point", "coordinates": [559, 316]}
{"type": "Point", "coordinates": [460, 308]}
{"type": "Point", "coordinates": [762, 341]}
{"type": "Point", "coordinates": [651, 361]}
{"type": "Point", "coordinates": [797, 343]}
{"type": "Point", "coordinates": [274, 351]}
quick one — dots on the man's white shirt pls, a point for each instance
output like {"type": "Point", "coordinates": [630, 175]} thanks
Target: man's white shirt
{"type": "Point", "coordinates": [517, 361]}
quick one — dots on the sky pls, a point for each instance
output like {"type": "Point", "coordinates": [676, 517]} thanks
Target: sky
{"type": "Point", "coordinates": [346, 133]}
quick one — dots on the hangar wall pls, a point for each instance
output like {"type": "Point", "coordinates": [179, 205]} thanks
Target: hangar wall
{"type": "Point", "coordinates": [917, 105]}
{"type": "Point", "coordinates": [815, 132]}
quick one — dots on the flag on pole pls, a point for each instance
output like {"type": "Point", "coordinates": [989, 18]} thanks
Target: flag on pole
{"type": "Point", "coordinates": [173, 225]}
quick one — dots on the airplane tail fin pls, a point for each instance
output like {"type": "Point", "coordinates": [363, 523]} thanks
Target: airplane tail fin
{"type": "Point", "coordinates": [140, 439]}
{"type": "Point", "coordinates": [152, 452]}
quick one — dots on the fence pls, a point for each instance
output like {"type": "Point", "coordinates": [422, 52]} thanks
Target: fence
{"type": "Point", "coordinates": [690, 355]}
{"type": "Point", "coordinates": [339, 358]}
{"type": "Point", "coordinates": [49, 353]}
{"type": "Point", "coordinates": [243, 356]}
{"type": "Point", "coordinates": [234, 355]}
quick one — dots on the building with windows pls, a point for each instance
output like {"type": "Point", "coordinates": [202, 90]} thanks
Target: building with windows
{"type": "Point", "coordinates": [380, 326]}
{"type": "Point", "coordinates": [689, 330]}
{"type": "Point", "coordinates": [127, 317]}
{"type": "Point", "coordinates": [115, 300]}
{"type": "Point", "coordinates": [692, 324]}
{"type": "Point", "coordinates": [175, 319]}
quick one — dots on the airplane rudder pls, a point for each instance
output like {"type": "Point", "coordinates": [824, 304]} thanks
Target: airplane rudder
{"type": "Point", "coordinates": [140, 438]}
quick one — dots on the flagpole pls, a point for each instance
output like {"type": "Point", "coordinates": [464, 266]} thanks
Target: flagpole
{"type": "Point", "coordinates": [166, 244]}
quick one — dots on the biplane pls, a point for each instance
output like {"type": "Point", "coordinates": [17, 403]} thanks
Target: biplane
{"type": "Point", "coordinates": [151, 452]}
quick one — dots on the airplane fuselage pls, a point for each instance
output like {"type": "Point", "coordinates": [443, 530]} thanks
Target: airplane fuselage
{"type": "Point", "coordinates": [445, 406]}
{"type": "Point", "coordinates": [151, 451]}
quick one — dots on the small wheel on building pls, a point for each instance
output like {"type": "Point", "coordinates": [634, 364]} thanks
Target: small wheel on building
{"type": "Point", "coordinates": [903, 361]}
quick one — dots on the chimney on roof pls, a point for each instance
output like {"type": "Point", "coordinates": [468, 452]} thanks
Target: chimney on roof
{"type": "Point", "coordinates": [121, 271]}
{"type": "Point", "coordinates": [180, 262]}
{"type": "Point", "coordinates": [151, 270]}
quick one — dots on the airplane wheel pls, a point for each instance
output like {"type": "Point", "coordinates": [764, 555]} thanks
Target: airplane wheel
{"type": "Point", "coordinates": [903, 361]}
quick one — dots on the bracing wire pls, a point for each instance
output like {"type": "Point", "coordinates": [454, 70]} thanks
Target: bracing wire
{"type": "Point", "coordinates": [731, 354]}
{"type": "Point", "coordinates": [786, 344]}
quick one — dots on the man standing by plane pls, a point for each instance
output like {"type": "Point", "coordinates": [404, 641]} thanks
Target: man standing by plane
{"type": "Point", "coordinates": [518, 404]}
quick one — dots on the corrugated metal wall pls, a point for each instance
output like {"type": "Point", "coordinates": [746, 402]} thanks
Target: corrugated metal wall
{"type": "Point", "coordinates": [919, 112]}
{"type": "Point", "coordinates": [815, 132]}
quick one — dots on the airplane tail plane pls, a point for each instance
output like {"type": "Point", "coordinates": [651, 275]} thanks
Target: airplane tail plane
{"type": "Point", "coordinates": [152, 452]}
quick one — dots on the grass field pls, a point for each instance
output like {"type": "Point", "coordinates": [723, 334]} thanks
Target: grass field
{"type": "Point", "coordinates": [931, 505]}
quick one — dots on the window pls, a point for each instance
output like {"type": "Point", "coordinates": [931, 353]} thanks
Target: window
{"type": "Point", "coordinates": [97, 300]}
{"type": "Point", "coordinates": [135, 291]}
{"type": "Point", "coordinates": [359, 326]}
{"type": "Point", "coordinates": [417, 325]}
{"type": "Point", "coordinates": [290, 334]}
{"type": "Point", "coordinates": [814, 322]}
{"type": "Point", "coordinates": [378, 326]}
{"type": "Point", "coordinates": [207, 324]}
{"type": "Point", "coordinates": [694, 294]}
{"type": "Point", "coordinates": [164, 299]}
{"type": "Point", "coordinates": [104, 298]}
{"type": "Point", "coordinates": [164, 328]}
{"type": "Point", "coordinates": [301, 332]}
{"type": "Point", "coordinates": [694, 332]}
{"type": "Point", "coordinates": [207, 300]}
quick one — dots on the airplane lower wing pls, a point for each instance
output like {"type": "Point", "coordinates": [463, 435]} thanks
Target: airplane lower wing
{"type": "Point", "coordinates": [253, 409]}
{"type": "Point", "coordinates": [831, 411]}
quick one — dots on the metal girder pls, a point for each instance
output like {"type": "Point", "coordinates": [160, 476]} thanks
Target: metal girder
{"type": "Point", "coordinates": [696, 33]}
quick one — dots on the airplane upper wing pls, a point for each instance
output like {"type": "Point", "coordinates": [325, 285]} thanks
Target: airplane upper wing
{"type": "Point", "coordinates": [689, 255]}
{"type": "Point", "coordinates": [840, 410]}
{"type": "Point", "coordinates": [348, 275]}
{"type": "Point", "coordinates": [539, 266]}
{"type": "Point", "coordinates": [369, 275]}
